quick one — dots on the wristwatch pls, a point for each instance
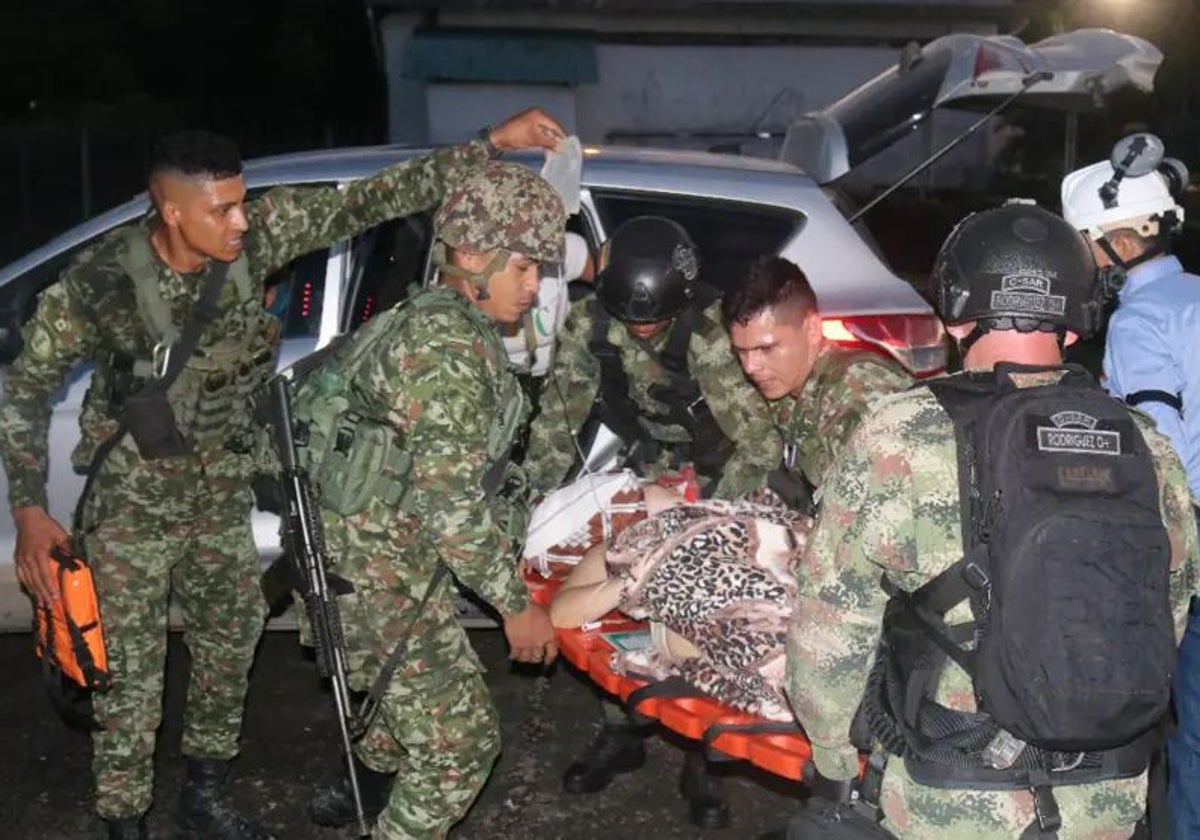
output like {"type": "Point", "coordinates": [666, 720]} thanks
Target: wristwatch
{"type": "Point", "coordinates": [485, 137]}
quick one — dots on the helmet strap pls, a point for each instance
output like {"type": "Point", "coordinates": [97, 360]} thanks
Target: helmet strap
{"type": "Point", "coordinates": [965, 343]}
{"type": "Point", "coordinates": [1156, 249]}
{"type": "Point", "coordinates": [479, 279]}
{"type": "Point", "coordinates": [530, 331]}
{"type": "Point", "coordinates": [983, 326]}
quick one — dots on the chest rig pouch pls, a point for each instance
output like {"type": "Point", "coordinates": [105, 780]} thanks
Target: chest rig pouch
{"type": "Point", "coordinates": [680, 395]}
{"type": "Point", "coordinates": [505, 484]}
{"type": "Point", "coordinates": [1066, 571]}
{"type": "Point", "coordinates": [344, 439]}
{"type": "Point", "coordinates": [206, 400]}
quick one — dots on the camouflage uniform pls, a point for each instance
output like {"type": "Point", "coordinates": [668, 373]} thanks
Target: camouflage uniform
{"type": "Point", "coordinates": [835, 397]}
{"type": "Point", "coordinates": [893, 505]}
{"type": "Point", "coordinates": [575, 378]}
{"type": "Point", "coordinates": [443, 381]}
{"type": "Point", "coordinates": [179, 523]}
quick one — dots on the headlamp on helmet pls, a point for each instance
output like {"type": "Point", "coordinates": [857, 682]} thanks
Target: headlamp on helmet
{"type": "Point", "coordinates": [1136, 188]}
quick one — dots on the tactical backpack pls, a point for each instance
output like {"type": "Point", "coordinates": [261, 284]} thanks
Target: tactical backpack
{"type": "Point", "coordinates": [1065, 568]}
{"type": "Point", "coordinates": [344, 439]}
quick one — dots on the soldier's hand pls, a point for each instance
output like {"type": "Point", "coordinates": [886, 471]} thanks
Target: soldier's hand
{"type": "Point", "coordinates": [531, 128]}
{"type": "Point", "coordinates": [37, 533]}
{"type": "Point", "coordinates": [530, 635]}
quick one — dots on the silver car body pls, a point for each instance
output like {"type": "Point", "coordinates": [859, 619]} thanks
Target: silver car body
{"type": "Point", "coordinates": [850, 280]}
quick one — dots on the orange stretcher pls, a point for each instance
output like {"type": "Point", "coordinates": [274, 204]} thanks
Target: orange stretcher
{"type": "Point", "coordinates": [783, 751]}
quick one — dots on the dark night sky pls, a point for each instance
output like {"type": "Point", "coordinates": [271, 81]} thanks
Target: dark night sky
{"type": "Point", "coordinates": [275, 73]}
{"type": "Point", "coordinates": [283, 75]}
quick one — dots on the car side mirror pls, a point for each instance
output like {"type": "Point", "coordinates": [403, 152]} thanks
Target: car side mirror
{"type": "Point", "coordinates": [10, 335]}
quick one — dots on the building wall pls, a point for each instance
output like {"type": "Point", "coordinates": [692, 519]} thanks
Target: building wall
{"type": "Point", "coordinates": [736, 89]}
{"type": "Point", "coordinates": [692, 96]}
{"type": "Point", "coordinates": [455, 111]}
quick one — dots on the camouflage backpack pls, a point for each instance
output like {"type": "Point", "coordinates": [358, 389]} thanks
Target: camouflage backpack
{"type": "Point", "coordinates": [344, 441]}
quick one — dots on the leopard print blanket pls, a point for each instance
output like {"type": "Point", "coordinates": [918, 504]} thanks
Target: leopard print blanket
{"type": "Point", "coordinates": [723, 576]}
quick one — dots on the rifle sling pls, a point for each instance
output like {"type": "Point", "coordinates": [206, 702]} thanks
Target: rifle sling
{"type": "Point", "coordinates": [370, 703]}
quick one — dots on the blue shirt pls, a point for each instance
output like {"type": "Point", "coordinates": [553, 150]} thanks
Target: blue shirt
{"type": "Point", "coordinates": [1154, 345]}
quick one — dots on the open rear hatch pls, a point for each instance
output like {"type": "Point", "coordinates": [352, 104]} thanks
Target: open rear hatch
{"type": "Point", "coordinates": [1086, 68]}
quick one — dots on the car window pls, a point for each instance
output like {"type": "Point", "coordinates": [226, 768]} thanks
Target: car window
{"type": "Point", "coordinates": [294, 294]}
{"type": "Point", "coordinates": [729, 234]}
{"type": "Point", "coordinates": [388, 259]}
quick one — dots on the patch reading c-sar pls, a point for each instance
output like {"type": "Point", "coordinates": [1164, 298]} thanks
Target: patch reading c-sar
{"type": "Point", "coordinates": [1029, 292]}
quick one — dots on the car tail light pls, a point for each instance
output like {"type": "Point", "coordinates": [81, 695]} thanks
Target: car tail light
{"type": "Point", "coordinates": [916, 341]}
{"type": "Point", "coordinates": [306, 299]}
{"type": "Point", "coordinates": [989, 58]}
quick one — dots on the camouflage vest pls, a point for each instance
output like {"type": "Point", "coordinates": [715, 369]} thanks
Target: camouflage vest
{"type": "Point", "coordinates": [344, 439]}
{"type": "Point", "coordinates": [212, 396]}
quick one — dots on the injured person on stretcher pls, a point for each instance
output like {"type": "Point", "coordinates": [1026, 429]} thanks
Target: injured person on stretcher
{"type": "Point", "coordinates": [716, 580]}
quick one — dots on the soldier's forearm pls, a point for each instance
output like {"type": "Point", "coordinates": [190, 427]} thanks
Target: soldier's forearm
{"type": "Point", "coordinates": [26, 488]}
{"type": "Point", "coordinates": [488, 568]}
{"type": "Point", "coordinates": [23, 450]}
{"type": "Point", "coordinates": [294, 222]}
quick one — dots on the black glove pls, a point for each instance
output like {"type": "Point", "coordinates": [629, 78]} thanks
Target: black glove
{"type": "Point", "coordinates": [676, 395]}
{"type": "Point", "coordinates": [793, 488]}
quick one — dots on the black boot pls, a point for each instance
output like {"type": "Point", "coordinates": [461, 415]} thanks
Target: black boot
{"type": "Point", "coordinates": [707, 807]}
{"type": "Point", "coordinates": [618, 748]}
{"type": "Point", "coordinates": [204, 812]}
{"type": "Point", "coordinates": [131, 828]}
{"type": "Point", "coordinates": [332, 801]}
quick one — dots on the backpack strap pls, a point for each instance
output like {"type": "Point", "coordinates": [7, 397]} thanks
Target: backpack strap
{"type": "Point", "coordinates": [929, 605]}
{"type": "Point", "coordinates": [239, 274]}
{"type": "Point", "coordinates": [710, 449]}
{"type": "Point", "coordinates": [613, 406]}
{"type": "Point", "coordinates": [969, 576]}
{"type": "Point", "coordinates": [138, 261]}
{"type": "Point", "coordinates": [204, 311]}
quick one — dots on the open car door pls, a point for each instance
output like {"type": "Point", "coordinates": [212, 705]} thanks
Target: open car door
{"type": "Point", "coordinates": [1086, 68]}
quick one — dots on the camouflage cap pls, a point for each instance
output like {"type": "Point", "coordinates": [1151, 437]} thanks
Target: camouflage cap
{"type": "Point", "coordinates": [503, 205]}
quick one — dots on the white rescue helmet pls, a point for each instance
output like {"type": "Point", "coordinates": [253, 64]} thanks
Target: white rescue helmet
{"type": "Point", "coordinates": [1135, 189]}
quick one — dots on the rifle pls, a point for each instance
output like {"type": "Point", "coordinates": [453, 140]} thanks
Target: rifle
{"type": "Point", "coordinates": [304, 540]}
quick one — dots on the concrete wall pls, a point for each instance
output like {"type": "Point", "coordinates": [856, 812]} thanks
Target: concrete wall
{"type": "Point", "coordinates": [682, 96]}
{"type": "Point", "coordinates": [718, 88]}
{"type": "Point", "coordinates": [455, 111]}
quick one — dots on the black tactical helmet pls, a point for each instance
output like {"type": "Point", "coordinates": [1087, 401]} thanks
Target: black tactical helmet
{"type": "Point", "coordinates": [1018, 267]}
{"type": "Point", "coordinates": [647, 271]}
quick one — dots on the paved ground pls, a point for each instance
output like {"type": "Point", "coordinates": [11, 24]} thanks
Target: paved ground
{"type": "Point", "coordinates": [290, 736]}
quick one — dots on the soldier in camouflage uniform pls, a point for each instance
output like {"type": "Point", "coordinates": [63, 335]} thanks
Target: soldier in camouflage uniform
{"type": "Point", "coordinates": [648, 356]}
{"type": "Point", "coordinates": [181, 523]}
{"type": "Point", "coordinates": [817, 391]}
{"type": "Point", "coordinates": [893, 505]}
{"type": "Point", "coordinates": [441, 378]}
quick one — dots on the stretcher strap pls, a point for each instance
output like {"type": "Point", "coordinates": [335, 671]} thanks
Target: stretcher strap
{"type": "Point", "coordinates": [670, 688]}
{"type": "Point", "coordinates": [764, 727]}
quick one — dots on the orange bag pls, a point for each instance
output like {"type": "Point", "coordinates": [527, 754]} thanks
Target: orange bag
{"type": "Point", "coordinates": [70, 638]}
